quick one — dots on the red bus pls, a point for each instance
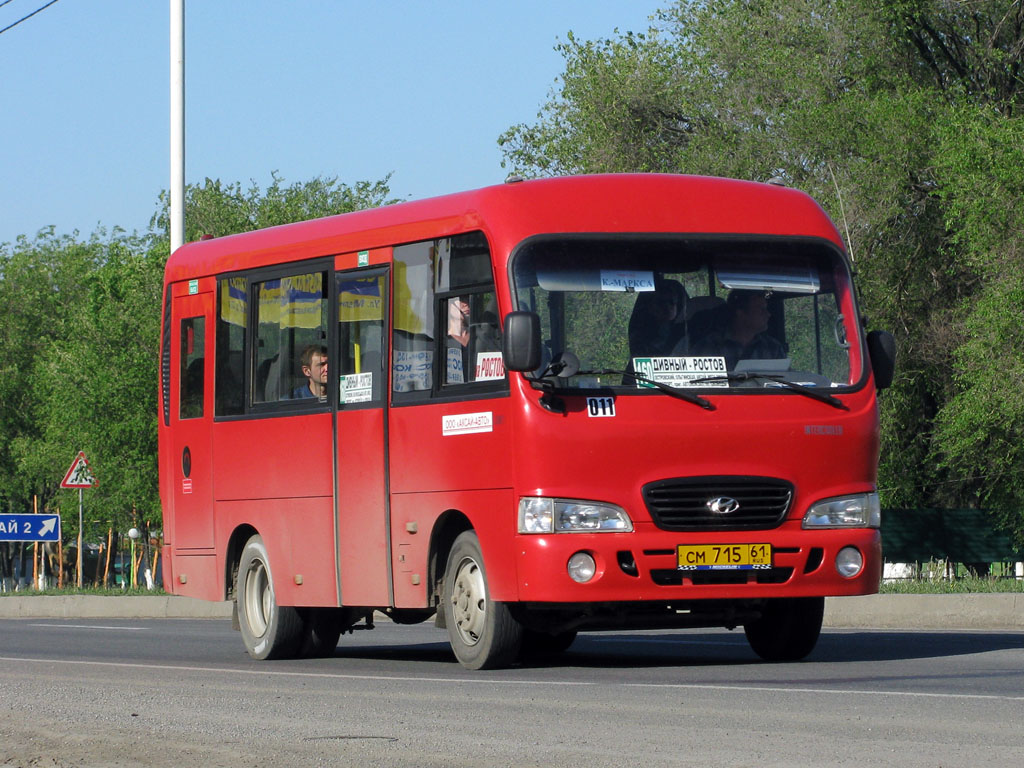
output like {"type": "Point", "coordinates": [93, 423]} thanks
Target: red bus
{"type": "Point", "coordinates": [534, 409]}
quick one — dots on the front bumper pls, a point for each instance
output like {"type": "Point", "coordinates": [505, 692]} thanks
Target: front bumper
{"type": "Point", "coordinates": [641, 566]}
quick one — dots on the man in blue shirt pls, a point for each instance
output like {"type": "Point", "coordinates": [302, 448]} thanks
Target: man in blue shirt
{"type": "Point", "coordinates": [314, 368]}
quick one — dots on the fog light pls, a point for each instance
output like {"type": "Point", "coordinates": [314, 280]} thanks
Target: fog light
{"type": "Point", "coordinates": [849, 562]}
{"type": "Point", "coordinates": [582, 567]}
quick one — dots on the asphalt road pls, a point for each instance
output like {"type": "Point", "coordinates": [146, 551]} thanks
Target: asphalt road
{"type": "Point", "coordinates": [177, 692]}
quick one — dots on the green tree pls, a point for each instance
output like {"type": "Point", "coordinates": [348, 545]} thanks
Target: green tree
{"type": "Point", "coordinates": [218, 209]}
{"type": "Point", "coordinates": [41, 284]}
{"type": "Point", "coordinates": [980, 429]}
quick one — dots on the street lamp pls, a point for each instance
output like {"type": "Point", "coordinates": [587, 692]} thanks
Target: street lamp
{"type": "Point", "coordinates": [133, 534]}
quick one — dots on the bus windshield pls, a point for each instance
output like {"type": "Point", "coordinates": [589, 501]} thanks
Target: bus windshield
{"type": "Point", "coordinates": [703, 313]}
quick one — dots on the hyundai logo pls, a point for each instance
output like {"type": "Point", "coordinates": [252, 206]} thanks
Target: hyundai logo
{"type": "Point", "coordinates": [723, 505]}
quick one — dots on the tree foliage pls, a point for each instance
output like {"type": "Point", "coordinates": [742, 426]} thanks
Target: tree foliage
{"type": "Point", "coordinates": [79, 345]}
{"type": "Point", "coordinates": [902, 117]}
{"type": "Point", "coordinates": [218, 209]}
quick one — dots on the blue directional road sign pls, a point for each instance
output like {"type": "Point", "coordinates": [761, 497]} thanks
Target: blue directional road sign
{"type": "Point", "coordinates": [29, 527]}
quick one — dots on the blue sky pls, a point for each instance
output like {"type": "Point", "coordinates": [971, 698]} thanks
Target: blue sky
{"type": "Point", "coordinates": [350, 88]}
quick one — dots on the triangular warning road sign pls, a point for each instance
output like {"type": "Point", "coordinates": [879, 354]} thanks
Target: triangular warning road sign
{"type": "Point", "coordinates": [79, 476]}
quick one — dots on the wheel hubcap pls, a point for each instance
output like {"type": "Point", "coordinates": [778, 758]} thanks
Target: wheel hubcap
{"type": "Point", "coordinates": [259, 598]}
{"type": "Point", "coordinates": [469, 601]}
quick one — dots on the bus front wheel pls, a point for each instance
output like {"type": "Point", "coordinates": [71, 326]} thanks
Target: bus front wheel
{"type": "Point", "coordinates": [269, 631]}
{"type": "Point", "coordinates": [482, 632]}
{"type": "Point", "coordinates": [788, 628]}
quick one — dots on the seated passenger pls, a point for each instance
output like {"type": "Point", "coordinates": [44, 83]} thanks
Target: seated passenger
{"type": "Point", "coordinates": [314, 368]}
{"type": "Point", "coordinates": [657, 326]}
{"type": "Point", "coordinates": [742, 334]}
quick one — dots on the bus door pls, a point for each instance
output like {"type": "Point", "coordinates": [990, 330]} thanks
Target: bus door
{"type": "Point", "coordinates": [361, 477]}
{"type": "Point", "coordinates": [191, 415]}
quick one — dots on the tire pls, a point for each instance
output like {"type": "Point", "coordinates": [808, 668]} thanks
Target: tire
{"type": "Point", "coordinates": [483, 633]}
{"type": "Point", "coordinates": [321, 628]}
{"type": "Point", "coordinates": [269, 631]}
{"type": "Point", "coordinates": [788, 628]}
{"type": "Point", "coordinates": [542, 644]}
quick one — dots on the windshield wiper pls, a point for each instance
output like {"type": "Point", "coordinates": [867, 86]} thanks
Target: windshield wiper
{"type": "Point", "coordinates": [682, 394]}
{"type": "Point", "coordinates": [814, 394]}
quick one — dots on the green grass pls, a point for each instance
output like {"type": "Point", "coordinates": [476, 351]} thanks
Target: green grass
{"type": "Point", "coordinates": [963, 585]}
{"type": "Point", "coordinates": [101, 591]}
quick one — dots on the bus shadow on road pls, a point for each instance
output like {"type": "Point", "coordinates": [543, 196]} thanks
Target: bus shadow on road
{"type": "Point", "coordinates": [893, 645]}
{"type": "Point", "coordinates": [833, 648]}
{"type": "Point", "coordinates": [716, 649]}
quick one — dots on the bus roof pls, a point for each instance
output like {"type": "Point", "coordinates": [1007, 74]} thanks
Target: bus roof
{"type": "Point", "coordinates": [509, 213]}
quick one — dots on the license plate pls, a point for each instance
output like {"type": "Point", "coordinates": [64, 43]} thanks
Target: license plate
{"type": "Point", "coordinates": [724, 557]}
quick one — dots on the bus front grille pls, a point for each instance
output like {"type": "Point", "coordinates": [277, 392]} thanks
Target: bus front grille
{"type": "Point", "coordinates": [718, 503]}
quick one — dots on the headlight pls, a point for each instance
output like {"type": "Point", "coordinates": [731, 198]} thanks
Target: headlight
{"type": "Point", "coordinates": [860, 510]}
{"type": "Point", "coordinates": [544, 515]}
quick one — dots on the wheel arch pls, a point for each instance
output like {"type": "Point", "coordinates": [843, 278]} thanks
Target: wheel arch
{"type": "Point", "coordinates": [446, 529]}
{"type": "Point", "coordinates": [233, 555]}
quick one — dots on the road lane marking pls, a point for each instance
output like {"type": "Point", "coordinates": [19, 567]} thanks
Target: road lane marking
{"type": "Point", "coordinates": [280, 673]}
{"type": "Point", "coordinates": [92, 626]}
{"type": "Point", "coordinates": [492, 681]}
{"type": "Point", "coordinates": [843, 691]}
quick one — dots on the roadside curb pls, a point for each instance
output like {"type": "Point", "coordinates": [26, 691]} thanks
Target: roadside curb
{"type": "Point", "coordinates": [111, 607]}
{"type": "Point", "coordinates": [966, 611]}
{"type": "Point", "coordinates": [1000, 610]}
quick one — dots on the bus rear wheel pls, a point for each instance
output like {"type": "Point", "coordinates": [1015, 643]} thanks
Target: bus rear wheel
{"type": "Point", "coordinates": [321, 628]}
{"type": "Point", "coordinates": [269, 631]}
{"type": "Point", "coordinates": [788, 628]}
{"type": "Point", "coordinates": [482, 632]}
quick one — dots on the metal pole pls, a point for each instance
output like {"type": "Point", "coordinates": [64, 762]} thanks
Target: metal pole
{"type": "Point", "coordinates": [177, 192]}
{"type": "Point", "coordinates": [80, 517]}
{"type": "Point", "coordinates": [42, 548]}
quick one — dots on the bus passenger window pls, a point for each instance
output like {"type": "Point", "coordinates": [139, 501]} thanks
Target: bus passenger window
{"type": "Point", "coordinates": [449, 282]}
{"type": "Point", "coordinates": [192, 359]}
{"type": "Point", "coordinates": [232, 311]}
{"type": "Point", "coordinates": [359, 364]}
{"type": "Point", "coordinates": [413, 345]}
{"type": "Point", "coordinates": [291, 326]}
{"type": "Point", "coordinates": [473, 345]}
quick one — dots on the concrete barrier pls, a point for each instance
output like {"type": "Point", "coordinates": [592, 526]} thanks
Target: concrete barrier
{"type": "Point", "coordinates": [112, 607]}
{"type": "Point", "coordinates": [962, 611]}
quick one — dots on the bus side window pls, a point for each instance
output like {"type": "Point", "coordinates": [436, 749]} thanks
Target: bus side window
{"type": "Point", "coordinates": [291, 318]}
{"type": "Point", "coordinates": [232, 311]}
{"type": "Point", "coordinates": [359, 363]}
{"type": "Point", "coordinates": [448, 282]}
{"type": "Point", "coordinates": [469, 311]}
{"type": "Point", "coordinates": [412, 360]}
{"type": "Point", "coordinates": [193, 356]}
{"type": "Point", "coordinates": [473, 345]}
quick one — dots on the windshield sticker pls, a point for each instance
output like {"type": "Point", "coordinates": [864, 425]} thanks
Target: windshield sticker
{"type": "Point", "coordinates": [626, 280]}
{"type": "Point", "coordinates": [411, 370]}
{"type": "Point", "coordinates": [455, 375]}
{"type": "Point", "coordinates": [357, 387]}
{"type": "Point", "coordinates": [680, 371]}
{"type": "Point", "coordinates": [467, 423]}
{"type": "Point", "coordinates": [490, 366]}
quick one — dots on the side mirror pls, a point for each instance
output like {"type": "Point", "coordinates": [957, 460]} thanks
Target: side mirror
{"type": "Point", "coordinates": [882, 351]}
{"type": "Point", "coordinates": [521, 345]}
